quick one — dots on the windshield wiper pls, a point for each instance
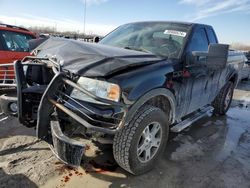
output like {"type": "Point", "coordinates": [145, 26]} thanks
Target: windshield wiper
{"type": "Point", "coordinates": [137, 49]}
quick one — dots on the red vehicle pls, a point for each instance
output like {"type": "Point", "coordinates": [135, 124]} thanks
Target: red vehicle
{"type": "Point", "coordinates": [13, 46]}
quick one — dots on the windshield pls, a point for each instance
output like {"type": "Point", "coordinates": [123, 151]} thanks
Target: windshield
{"type": "Point", "coordinates": [163, 39]}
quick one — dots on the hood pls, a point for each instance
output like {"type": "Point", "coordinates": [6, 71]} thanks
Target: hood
{"type": "Point", "coordinates": [91, 59]}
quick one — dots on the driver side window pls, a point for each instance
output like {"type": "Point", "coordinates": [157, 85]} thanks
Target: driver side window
{"type": "Point", "coordinates": [199, 41]}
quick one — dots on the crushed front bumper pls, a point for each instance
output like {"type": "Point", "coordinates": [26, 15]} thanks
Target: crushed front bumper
{"type": "Point", "coordinates": [108, 117]}
{"type": "Point", "coordinates": [67, 150]}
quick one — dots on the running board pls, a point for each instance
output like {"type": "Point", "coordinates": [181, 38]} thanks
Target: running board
{"type": "Point", "coordinates": [189, 121]}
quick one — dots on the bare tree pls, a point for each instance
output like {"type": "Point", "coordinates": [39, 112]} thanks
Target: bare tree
{"type": "Point", "coordinates": [240, 46]}
{"type": "Point", "coordinates": [68, 34]}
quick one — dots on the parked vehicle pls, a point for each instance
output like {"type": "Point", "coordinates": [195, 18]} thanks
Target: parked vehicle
{"type": "Point", "coordinates": [138, 83]}
{"type": "Point", "coordinates": [13, 46]}
{"type": "Point", "coordinates": [247, 54]}
{"type": "Point", "coordinates": [245, 73]}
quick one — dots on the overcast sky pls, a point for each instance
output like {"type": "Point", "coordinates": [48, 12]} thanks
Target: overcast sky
{"type": "Point", "coordinates": [230, 18]}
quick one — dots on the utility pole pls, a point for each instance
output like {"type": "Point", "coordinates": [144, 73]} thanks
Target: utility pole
{"type": "Point", "coordinates": [85, 9]}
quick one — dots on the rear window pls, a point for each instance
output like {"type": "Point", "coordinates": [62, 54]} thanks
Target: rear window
{"type": "Point", "coordinates": [14, 41]}
{"type": "Point", "coordinates": [211, 36]}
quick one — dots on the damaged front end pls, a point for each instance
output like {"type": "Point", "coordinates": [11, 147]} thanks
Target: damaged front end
{"type": "Point", "coordinates": [45, 101]}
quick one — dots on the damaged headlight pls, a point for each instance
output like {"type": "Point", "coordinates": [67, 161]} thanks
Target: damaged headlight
{"type": "Point", "coordinates": [99, 88]}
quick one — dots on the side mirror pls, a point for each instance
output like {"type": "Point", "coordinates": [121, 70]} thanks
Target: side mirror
{"type": "Point", "coordinates": [215, 58]}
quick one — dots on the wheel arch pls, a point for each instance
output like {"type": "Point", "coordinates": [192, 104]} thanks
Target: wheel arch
{"type": "Point", "coordinates": [161, 98]}
{"type": "Point", "coordinates": [234, 78]}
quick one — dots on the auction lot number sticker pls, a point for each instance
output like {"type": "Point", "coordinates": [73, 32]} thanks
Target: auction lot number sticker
{"type": "Point", "coordinates": [177, 33]}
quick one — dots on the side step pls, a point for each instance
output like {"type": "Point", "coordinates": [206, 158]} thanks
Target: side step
{"type": "Point", "coordinates": [189, 121]}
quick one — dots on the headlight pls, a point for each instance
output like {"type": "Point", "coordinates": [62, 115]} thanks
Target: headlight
{"type": "Point", "coordinates": [99, 88]}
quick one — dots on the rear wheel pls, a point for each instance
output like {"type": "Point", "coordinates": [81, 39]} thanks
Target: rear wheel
{"type": "Point", "coordinates": [222, 102]}
{"type": "Point", "coordinates": [139, 144]}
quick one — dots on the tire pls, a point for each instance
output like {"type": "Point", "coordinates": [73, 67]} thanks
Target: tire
{"type": "Point", "coordinates": [222, 102]}
{"type": "Point", "coordinates": [8, 105]}
{"type": "Point", "coordinates": [138, 133]}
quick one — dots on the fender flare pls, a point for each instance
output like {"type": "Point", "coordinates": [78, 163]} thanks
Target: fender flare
{"type": "Point", "coordinates": [149, 95]}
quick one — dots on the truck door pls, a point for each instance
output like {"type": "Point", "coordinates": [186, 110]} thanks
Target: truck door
{"type": "Point", "coordinates": [198, 83]}
{"type": "Point", "coordinates": [213, 82]}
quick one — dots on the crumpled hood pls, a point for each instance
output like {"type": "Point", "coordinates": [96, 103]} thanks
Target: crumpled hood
{"type": "Point", "coordinates": [91, 59]}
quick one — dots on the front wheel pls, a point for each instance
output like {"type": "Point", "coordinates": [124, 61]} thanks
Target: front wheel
{"type": "Point", "coordinates": [139, 144]}
{"type": "Point", "coordinates": [222, 102]}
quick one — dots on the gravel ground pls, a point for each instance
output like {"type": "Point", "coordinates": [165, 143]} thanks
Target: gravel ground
{"type": "Point", "coordinates": [214, 152]}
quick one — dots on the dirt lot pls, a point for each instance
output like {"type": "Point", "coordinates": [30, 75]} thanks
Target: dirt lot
{"type": "Point", "coordinates": [214, 152]}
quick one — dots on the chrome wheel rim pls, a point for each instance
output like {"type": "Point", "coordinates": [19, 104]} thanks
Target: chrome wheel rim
{"type": "Point", "coordinates": [228, 98]}
{"type": "Point", "coordinates": [149, 142]}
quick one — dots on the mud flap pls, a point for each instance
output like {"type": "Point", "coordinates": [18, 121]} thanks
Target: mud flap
{"type": "Point", "coordinates": [67, 150]}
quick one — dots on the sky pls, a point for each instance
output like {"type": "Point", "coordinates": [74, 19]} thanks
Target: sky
{"type": "Point", "coordinates": [230, 18]}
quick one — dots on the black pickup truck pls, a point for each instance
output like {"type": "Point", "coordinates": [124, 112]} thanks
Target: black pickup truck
{"type": "Point", "coordinates": [138, 83]}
